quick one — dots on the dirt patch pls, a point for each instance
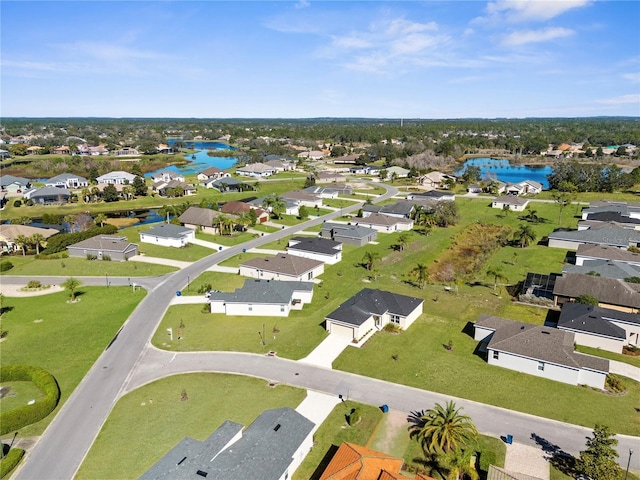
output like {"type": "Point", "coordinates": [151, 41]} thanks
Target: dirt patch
{"type": "Point", "coordinates": [392, 431]}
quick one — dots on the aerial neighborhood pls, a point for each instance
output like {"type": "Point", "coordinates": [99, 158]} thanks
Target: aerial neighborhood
{"type": "Point", "coordinates": [320, 309]}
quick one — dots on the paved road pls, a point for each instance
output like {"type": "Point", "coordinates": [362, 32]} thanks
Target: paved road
{"type": "Point", "coordinates": [64, 444]}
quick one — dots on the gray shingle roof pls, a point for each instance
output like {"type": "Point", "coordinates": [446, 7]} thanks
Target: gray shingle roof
{"type": "Point", "coordinates": [49, 191]}
{"type": "Point", "coordinates": [607, 253]}
{"type": "Point", "coordinates": [323, 246]}
{"type": "Point", "coordinates": [539, 343]}
{"type": "Point", "coordinates": [381, 219]}
{"type": "Point", "coordinates": [608, 235]}
{"type": "Point", "coordinates": [9, 179]}
{"type": "Point", "coordinates": [356, 310]}
{"type": "Point", "coordinates": [511, 200]}
{"type": "Point", "coordinates": [263, 291]}
{"type": "Point", "coordinates": [63, 177]}
{"type": "Point", "coordinates": [605, 268]}
{"type": "Point", "coordinates": [167, 230]}
{"type": "Point", "coordinates": [352, 231]}
{"type": "Point", "coordinates": [105, 243]}
{"type": "Point", "coordinates": [199, 216]}
{"type": "Point", "coordinates": [607, 290]}
{"type": "Point", "coordinates": [595, 320]}
{"type": "Point", "coordinates": [283, 263]}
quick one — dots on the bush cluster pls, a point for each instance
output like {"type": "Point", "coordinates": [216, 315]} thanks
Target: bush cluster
{"type": "Point", "coordinates": [28, 414]}
{"type": "Point", "coordinates": [60, 242]}
{"type": "Point", "coordinates": [8, 463]}
{"type": "Point", "coordinates": [5, 266]}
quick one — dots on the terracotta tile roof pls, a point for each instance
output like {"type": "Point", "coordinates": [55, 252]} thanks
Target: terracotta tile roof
{"type": "Point", "coordinates": [353, 462]}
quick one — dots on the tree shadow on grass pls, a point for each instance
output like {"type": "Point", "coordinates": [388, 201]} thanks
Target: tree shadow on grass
{"type": "Point", "coordinates": [6, 309]}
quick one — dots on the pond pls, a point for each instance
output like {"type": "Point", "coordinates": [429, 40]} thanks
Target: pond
{"type": "Point", "coordinates": [200, 160]}
{"type": "Point", "coordinates": [492, 168]}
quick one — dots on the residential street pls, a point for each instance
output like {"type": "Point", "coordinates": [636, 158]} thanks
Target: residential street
{"type": "Point", "coordinates": [129, 361]}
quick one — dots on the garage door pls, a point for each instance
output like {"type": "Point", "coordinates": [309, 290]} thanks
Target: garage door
{"type": "Point", "coordinates": [341, 330]}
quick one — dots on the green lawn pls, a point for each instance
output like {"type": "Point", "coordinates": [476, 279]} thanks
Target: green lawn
{"type": "Point", "coordinates": [264, 228]}
{"type": "Point", "coordinates": [238, 259]}
{"type": "Point", "coordinates": [333, 432]}
{"type": "Point", "coordinates": [145, 424]}
{"type": "Point", "coordinates": [82, 267]}
{"type": "Point", "coordinates": [64, 339]}
{"type": "Point", "coordinates": [218, 281]}
{"type": "Point", "coordinates": [227, 240]}
{"type": "Point", "coordinates": [21, 394]}
{"type": "Point", "coordinates": [630, 359]}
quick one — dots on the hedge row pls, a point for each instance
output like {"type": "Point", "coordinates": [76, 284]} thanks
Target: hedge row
{"type": "Point", "coordinates": [58, 243]}
{"type": "Point", "coordinates": [8, 463]}
{"type": "Point", "coordinates": [28, 414]}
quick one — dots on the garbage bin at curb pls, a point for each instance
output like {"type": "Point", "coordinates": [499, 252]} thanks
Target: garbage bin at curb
{"type": "Point", "coordinates": [509, 439]}
{"type": "Point", "coordinates": [384, 408]}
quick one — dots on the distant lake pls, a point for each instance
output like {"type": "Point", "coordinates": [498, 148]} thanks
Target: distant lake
{"type": "Point", "coordinates": [492, 168]}
{"type": "Point", "coordinates": [202, 160]}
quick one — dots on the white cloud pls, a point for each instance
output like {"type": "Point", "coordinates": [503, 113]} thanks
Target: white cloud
{"type": "Point", "coordinates": [622, 99]}
{"type": "Point", "coordinates": [536, 36]}
{"type": "Point", "coordinates": [108, 52]}
{"type": "Point", "coordinates": [302, 4]}
{"type": "Point", "coordinates": [632, 77]}
{"type": "Point", "coordinates": [529, 10]}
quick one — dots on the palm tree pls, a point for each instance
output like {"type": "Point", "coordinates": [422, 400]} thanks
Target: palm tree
{"type": "Point", "coordinates": [71, 221]}
{"type": "Point", "coordinates": [443, 429]}
{"type": "Point", "coordinates": [370, 258]}
{"type": "Point", "coordinates": [421, 273]}
{"type": "Point", "coordinates": [72, 285]}
{"type": "Point", "coordinates": [525, 235]}
{"type": "Point", "coordinates": [496, 273]}
{"type": "Point", "coordinates": [100, 218]}
{"type": "Point", "coordinates": [403, 239]}
{"type": "Point", "coordinates": [459, 464]}
{"type": "Point", "coordinates": [37, 239]}
{"type": "Point", "coordinates": [22, 241]}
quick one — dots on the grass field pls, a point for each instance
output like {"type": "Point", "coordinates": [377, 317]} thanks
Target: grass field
{"type": "Point", "coordinates": [147, 423]}
{"type": "Point", "coordinates": [226, 240]}
{"type": "Point", "coordinates": [78, 267]}
{"type": "Point", "coordinates": [64, 339]}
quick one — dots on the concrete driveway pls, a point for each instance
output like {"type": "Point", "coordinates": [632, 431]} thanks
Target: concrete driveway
{"type": "Point", "coordinates": [317, 406]}
{"type": "Point", "coordinates": [325, 353]}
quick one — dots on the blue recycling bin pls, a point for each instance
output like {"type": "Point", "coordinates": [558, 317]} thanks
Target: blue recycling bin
{"type": "Point", "coordinates": [178, 293]}
{"type": "Point", "coordinates": [509, 439]}
{"type": "Point", "coordinates": [384, 408]}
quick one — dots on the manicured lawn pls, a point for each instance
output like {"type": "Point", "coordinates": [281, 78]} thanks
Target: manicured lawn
{"type": "Point", "coordinates": [64, 339]}
{"type": "Point", "coordinates": [264, 228]}
{"type": "Point", "coordinates": [227, 240]}
{"type": "Point", "coordinates": [341, 202]}
{"type": "Point", "coordinates": [82, 267]}
{"type": "Point", "coordinates": [333, 432]}
{"type": "Point", "coordinates": [21, 394]}
{"type": "Point", "coordinates": [218, 281]}
{"type": "Point", "coordinates": [238, 259]}
{"type": "Point", "coordinates": [189, 253]}
{"type": "Point", "coordinates": [145, 424]}
{"type": "Point", "coordinates": [291, 337]}
{"type": "Point", "coordinates": [630, 359]}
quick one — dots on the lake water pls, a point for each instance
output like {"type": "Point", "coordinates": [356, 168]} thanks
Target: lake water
{"type": "Point", "coordinates": [502, 170]}
{"type": "Point", "coordinates": [202, 160]}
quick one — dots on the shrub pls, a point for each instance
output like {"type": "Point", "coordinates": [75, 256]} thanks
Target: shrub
{"type": "Point", "coordinates": [91, 257]}
{"type": "Point", "coordinates": [5, 266]}
{"type": "Point", "coordinates": [353, 417]}
{"type": "Point", "coordinates": [8, 463]}
{"type": "Point", "coordinates": [614, 384]}
{"type": "Point", "coordinates": [34, 284]}
{"type": "Point", "coordinates": [29, 203]}
{"type": "Point", "coordinates": [204, 288]}
{"type": "Point", "coordinates": [28, 414]}
{"type": "Point", "coordinates": [17, 203]}
{"type": "Point", "coordinates": [59, 243]}
{"type": "Point", "coordinates": [106, 258]}
{"type": "Point", "coordinates": [392, 328]}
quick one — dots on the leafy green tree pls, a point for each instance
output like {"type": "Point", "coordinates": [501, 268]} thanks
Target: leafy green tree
{"type": "Point", "coordinates": [22, 241]}
{"type": "Point", "coordinates": [139, 186]}
{"type": "Point", "coordinates": [303, 212]}
{"type": "Point", "coordinates": [421, 273]}
{"type": "Point", "coordinates": [459, 464]}
{"type": "Point", "coordinates": [276, 205]}
{"type": "Point", "coordinates": [253, 217]}
{"type": "Point", "coordinates": [402, 240]}
{"type": "Point", "coordinates": [110, 193]}
{"type": "Point", "coordinates": [598, 460]}
{"type": "Point", "coordinates": [443, 429]}
{"type": "Point", "coordinates": [370, 258]}
{"type": "Point", "coordinates": [19, 149]}
{"type": "Point", "coordinates": [72, 285]}
{"type": "Point", "coordinates": [445, 213]}
{"type": "Point", "coordinates": [587, 299]}
{"type": "Point", "coordinates": [525, 235]}
{"type": "Point", "coordinates": [100, 218]}
{"type": "Point", "coordinates": [310, 181]}
{"type": "Point", "coordinates": [470, 175]}
{"type": "Point", "coordinates": [37, 240]}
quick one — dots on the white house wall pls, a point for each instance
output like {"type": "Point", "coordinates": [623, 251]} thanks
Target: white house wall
{"type": "Point", "coordinates": [603, 343]}
{"type": "Point", "coordinates": [257, 310]}
{"type": "Point", "coordinates": [329, 259]}
{"type": "Point", "coordinates": [565, 244]}
{"type": "Point", "coordinates": [253, 272]}
{"type": "Point", "coordinates": [480, 333]}
{"type": "Point", "coordinates": [530, 366]}
{"type": "Point", "coordinates": [298, 457]}
{"type": "Point", "coordinates": [164, 242]}
{"type": "Point", "coordinates": [592, 378]}
{"type": "Point", "coordinates": [633, 332]}
{"type": "Point", "coordinates": [412, 317]}
{"type": "Point", "coordinates": [305, 296]}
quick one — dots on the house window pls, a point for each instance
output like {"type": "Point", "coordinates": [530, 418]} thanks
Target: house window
{"type": "Point", "coordinates": [541, 366]}
{"type": "Point", "coordinates": [250, 308]}
{"type": "Point", "coordinates": [282, 308]}
{"type": "Point", "coordinates": [395, 319]}
{"type": "Point", "coordinates": [310, 276]}
{"type": "Point", "coordinates": [496, 355]}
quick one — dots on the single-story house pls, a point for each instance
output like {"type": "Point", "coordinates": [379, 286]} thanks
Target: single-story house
{"type": "Point", "coordinates": [526, 187]}
{"type": "Point", "coordinates": [63, 150]}
{"type": "Point", "coordinates": [116, 177]}
{"type": "Point", "coordinates": [168, 235]}
{"type": "Point", "coordinates": [48, 195]}
{"type": "Point", "coordinates": [226, 184]}
{"type": "Point", "coordinates": [400, 209]}
{"type": "Point", "coordinates": [515, 204]}
{"type": "Point", "coordinates": [631, 210]}
{"type": "Point", "coordinates": [436, 179]}
{"type": "Point", "coordinates": [166, 176]}
{"type": "Point", "coordinates": [349, 234]}
{"type": "Point", "coordinates": [595, 220]}
{"type": "Point", "coordinates": [290, 205]}
{"type": "Point", "coordinates": [605, 236]}
{"type": "Point", "coordinates": [322, 192]}
{"type": "Point", "coordinates": [330, 177]}
{"type": "Point", "coordinates": [432, 195]}
{"type": "Point", "coordinates": [203, 218]}
{"type": "Point", "coordinates": [385, 223]}
{"type": "Point", "coordinates": [322, 249]}
{"type": "Point", "coordinates": [312, 155]}
{"type": "Point", "coordinates": [588, 252]}
{"type": "Point", "coordinates": [303, 198]}
{"type": "Point", "coordinates": [397, 172]}
{"type": "Point", "coordinates": [279, 165]}
{"type": "Point", "coordinates": [9, 232]}
{"type": "Point", "coordinates": [212, 173]}
{"type": "Point", "coordinates": [67, 180]}
{"type": "Point", "coordinates": [369, 310]}
{"type": "Point", "coordinates": [282, 267]}
{"type": "Point", "coordinates": [262, 298]}
{"type": "Point", "coordinates": [271, 448]}
{"type": "Point", "coordinates": [537, 350]}
{"type": "Point", "coordinates": [34, 150]}
{"type": "Point", "coordinates": [256, 170]}
{"type": "Point", "coordinates": [599, 327]}
{"type": "Point", "coordinates": [104, 246]}
{"type": "Point", "coordinates": [236, 208]}
{"type": "Point", "coordinates": [12, 184]}
{"type": "Point", "coordinates": [605, 268]}
{"type": "Point", "coordinates": [89, 150]}
{"type": "Point", "coordinates": [165, 189]}
{"type": "Point", "coordinates": [474, 188]}
{"type": "Point", "coordinates": [610, 292]}
{"type": "Point", "coordinates": [126, 152]}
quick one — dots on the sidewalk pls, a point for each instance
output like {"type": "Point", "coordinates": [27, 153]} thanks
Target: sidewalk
{"type": "Point", "coordinates": [624, 369]}
{"type": "Point", "coordinates": [211, 245]}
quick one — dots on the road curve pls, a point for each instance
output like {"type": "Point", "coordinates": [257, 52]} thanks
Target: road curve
{"type": "Point", "coordinates": [62, 447]}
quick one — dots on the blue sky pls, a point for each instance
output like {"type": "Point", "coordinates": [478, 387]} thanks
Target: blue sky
{"type": "Point", "coordinates": [267, 59]}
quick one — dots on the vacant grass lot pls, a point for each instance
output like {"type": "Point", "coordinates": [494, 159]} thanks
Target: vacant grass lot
{"type": "Point", "coordinates": [147, 423]}
{"type": "Point", "coordinates": [227, 240]}
{"type": "Point", "coordinates": [218, 281]}
{"type": "Point", "coordinates": [78, 267]}
{"type": "Point", "coordinates": [64, 339]}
